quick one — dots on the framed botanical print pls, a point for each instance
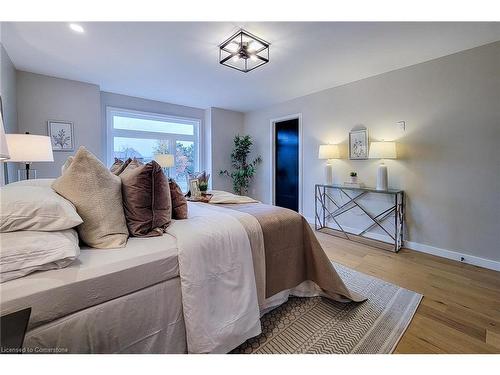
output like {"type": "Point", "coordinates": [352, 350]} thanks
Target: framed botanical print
{"type": "Point", "coordinates": [358, 144]}
{"type": "Point", "coordinates": [61, 135]}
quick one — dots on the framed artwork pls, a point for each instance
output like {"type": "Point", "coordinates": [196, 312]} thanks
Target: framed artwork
{"type": "Point", "coordinates": [358, 144]}
{"type": "Point", "coordinates": [194, 187]}
{"type": "Point", "coordinates": [61, 135]}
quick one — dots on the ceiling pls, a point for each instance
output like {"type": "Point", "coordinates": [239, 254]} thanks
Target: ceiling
{"type": "Point", "coordinates": [177, 62]}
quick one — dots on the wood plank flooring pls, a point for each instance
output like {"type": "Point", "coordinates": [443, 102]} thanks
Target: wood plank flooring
{"type": "Point", "coordinates": [460, 311]}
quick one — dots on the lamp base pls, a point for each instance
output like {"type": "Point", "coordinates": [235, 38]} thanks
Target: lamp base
{"type": "Point", "coordinates": [382, 177]}
{"type": "Point", "coordinates": [329, 174]}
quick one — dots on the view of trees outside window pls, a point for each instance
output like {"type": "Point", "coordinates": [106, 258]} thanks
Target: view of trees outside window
{"type": "Point", "coordinates": [184, 163]}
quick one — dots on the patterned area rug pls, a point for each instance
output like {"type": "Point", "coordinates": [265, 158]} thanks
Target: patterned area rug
{"type": "Point", "coordinates": [320, 326]}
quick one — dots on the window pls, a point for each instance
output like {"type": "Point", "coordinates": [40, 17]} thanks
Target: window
{"type": "Point", "coordinates": [133, 134]}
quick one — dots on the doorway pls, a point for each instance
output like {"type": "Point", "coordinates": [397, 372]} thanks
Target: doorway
{"type": "Point", "coordinates": [287, 162]}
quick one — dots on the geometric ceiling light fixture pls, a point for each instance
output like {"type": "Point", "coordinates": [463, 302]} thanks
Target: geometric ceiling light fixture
{"type": "Point", "coordinates": [244, 51]}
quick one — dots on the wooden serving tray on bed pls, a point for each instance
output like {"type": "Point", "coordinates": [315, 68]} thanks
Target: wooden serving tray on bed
{"type": "Point", "coordinates": [205, 198]}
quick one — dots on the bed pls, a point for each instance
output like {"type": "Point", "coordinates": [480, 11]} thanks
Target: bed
{"type": "Point", "coordinates": [108, 301]}
{"type": "Point", "coordinates": [199, 288]}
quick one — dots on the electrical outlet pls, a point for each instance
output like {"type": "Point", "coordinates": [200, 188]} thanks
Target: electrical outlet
{"type": "Point", "coordinates": [402, 125]}
{"type": "Point", "coordinates": [462, 259]}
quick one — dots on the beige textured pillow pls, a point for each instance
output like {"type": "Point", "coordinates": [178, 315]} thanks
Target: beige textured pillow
{"type": "Point", "coordinates": [96, 194]}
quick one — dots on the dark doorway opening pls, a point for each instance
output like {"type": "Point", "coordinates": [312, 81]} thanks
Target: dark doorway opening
{"type": "Point", "coordinates": [286, 168]}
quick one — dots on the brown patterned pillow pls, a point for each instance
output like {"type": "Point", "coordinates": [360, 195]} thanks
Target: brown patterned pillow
{"type": "Point", "coordinates": [146, 199]}
{"type": "Point", "coordinates": [119, 166]}
{"type": "Point", "coordinates": [179, 202]}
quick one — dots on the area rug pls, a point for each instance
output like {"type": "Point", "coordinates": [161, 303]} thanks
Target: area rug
{"type": "Point", "coordinates": [320, 326]}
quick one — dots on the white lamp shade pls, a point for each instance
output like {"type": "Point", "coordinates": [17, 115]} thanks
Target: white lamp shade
{"type": "Point", "coordinates": [382, 150]}
{"type": "Point", "coordinates": [4, 149]}
{"type": "Point", "coordinates": [165, 160]}
{"type": "Point", "coordinates": [29, 147]}
{"type": "Point", "coordinates": [328, 152]}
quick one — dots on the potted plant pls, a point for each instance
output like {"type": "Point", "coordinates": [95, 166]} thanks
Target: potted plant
{"type": "Point", "coordinates": [354, 177]}
{"type": "Point", "coordinates": [203, 181]}
{"type": "Point", "coordinates": [243, 171]}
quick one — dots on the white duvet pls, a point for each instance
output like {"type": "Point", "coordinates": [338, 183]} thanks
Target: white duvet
{"type": "Point", "coordinates": [218, 287]}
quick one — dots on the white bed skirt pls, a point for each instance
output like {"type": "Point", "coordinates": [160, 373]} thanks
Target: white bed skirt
{"type": "Point", "coordinates": [147, 321]}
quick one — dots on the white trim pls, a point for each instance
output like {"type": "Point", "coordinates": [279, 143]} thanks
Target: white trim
{"type": "Point", "coordinates": [273, 130]}
{"type": "Point", "coordinates": [454, 255]}
{"type": "Point", "coordinates": [427, 249]}
{"type": "Point", "coordinates": [110, 132]}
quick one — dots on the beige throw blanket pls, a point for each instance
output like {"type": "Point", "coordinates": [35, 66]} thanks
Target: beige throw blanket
{"type": "Point", "coordinates": [293, 254]}
{"type": "Point", "coordinates": [223, 197]}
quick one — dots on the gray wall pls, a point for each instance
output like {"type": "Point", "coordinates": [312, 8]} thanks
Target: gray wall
{"type": "Point", "coordinates": [41, 98]}
{"type": "Point", "coordinates": [9, 105]}
{"type": "Point", "coordinates": [449, 158]}
{"type": "Point", "coordinates": [224, 126]}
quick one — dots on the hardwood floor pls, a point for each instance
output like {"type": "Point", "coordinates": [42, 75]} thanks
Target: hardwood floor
{"type": "Point", "coordinates": [460, 311]}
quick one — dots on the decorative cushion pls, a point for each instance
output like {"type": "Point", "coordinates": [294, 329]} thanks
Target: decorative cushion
{"type": "Point", "coordinates": [96, 194]}
{"type": "Point", "coordinates": [119, 166]}
{"type": "Point", "coordinates": [35, 207]}
{"type": "Point", "coordinates": [28, 251]}
{"type": "Point", "coordinates": [179, 202]}
{"type": "Point", "coordinates": [146, 199]}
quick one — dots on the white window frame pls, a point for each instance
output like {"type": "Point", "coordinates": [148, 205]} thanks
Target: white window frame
{"type": "Point", "coordinates": [171, 137]}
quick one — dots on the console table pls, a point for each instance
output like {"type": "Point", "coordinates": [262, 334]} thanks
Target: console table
{"type": "Point", "coordinates": [382, 227]}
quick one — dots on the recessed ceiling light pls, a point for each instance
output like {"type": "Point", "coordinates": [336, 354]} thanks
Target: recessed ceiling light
{"type": "Point", "coordinates": [77, 28]}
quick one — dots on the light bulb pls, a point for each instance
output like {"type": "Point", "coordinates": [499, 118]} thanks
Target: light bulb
{"type": "Point", "coordinates": [253, 57]}
{"type": "Point", "coordinates": [77, 28]}
{"type": "Point", "coordinates": [233, 46]}
{"type": "Point", "coordinates": [236, 58]}
{"type": "Point", "coordinates": [253, 46]}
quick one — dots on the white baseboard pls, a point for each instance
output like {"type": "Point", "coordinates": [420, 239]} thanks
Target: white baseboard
{"type": "Point", "coordinates": [443, 253]}
{"type": "Point", "coordinates": [454, 255]}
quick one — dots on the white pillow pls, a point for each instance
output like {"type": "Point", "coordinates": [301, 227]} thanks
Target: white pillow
{"type": "Point", "coordinates": [25, 252]}
{"type": "Point", "coordinates": [35, 208]}
{"type": "Point", "coordinates": [47, 182]}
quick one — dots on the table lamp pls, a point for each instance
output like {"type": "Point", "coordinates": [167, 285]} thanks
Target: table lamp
{"type": "Point", "coordinates": [166, 161]}
{"type": "Point", "coordinates": [382, 150]}
{"type": "Point", "coordinates": [28, 148]}
{"type": "Point", "coordinates": [328, 152]}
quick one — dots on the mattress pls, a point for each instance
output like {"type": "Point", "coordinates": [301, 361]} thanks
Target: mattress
{"type": "Point", "coordinates": [97, 276]}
